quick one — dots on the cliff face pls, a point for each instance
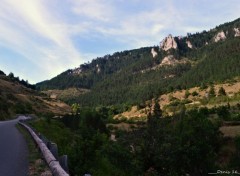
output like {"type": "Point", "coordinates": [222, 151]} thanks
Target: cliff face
{"type": "Point", "coordinates": [237, 32]}
{"type": "Point", "coordinates": [220, 36]}
{"type": "Point", "coordinates": [168, 60]}
{"type": "Point", "coordinates": [154, 53]}
{"type": "Point", "coordinates": [168, 43]}
{"type": "Point", "coordinates": [189, 44]}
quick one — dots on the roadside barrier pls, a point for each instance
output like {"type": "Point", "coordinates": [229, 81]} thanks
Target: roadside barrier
{"type": "Point", "coordinates": [58, 165]}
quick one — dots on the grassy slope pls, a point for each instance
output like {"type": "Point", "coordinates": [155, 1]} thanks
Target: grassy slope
{"type": "Point", "coordinates": [17, 99]}
{"type": "Point", "coordinates": [165, 100]}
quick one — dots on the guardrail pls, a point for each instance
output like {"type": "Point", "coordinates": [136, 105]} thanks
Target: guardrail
{"type": "Point", "coordinates": [49, 151]}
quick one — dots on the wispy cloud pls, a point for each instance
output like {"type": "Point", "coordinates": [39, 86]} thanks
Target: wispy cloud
{"type": "Point", "coordinates": [146, 26]}
{"type": "Point", "coordinates": [30, 29]}
{"type": "Point", "coordinates": [101, 10]}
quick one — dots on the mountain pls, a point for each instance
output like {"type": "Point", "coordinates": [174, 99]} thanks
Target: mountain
{"type": "Point", "coordinates": [18, 97]}
{"type": "Point", "coordinates": [134, 76]}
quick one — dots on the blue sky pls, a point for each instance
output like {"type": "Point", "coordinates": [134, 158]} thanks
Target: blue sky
{"type": "Point", "coordinates": [42, 38]}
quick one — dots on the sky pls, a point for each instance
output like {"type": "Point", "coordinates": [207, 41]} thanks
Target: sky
{"type": "Point", "coordinates": [39, 39]}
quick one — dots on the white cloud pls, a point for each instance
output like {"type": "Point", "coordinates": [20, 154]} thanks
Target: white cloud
{"type": "Point", "coordinates": [100, 10]}
{"type": "Point", "coordinates": [139, 29]}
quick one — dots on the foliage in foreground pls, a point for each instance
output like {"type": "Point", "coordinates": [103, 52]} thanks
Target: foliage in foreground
{"type": "Point", "coordinates": [187, 143]}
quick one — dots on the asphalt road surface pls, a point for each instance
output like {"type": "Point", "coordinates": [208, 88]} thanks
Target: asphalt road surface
{"type": "Point", "coordinates": [13, 150]}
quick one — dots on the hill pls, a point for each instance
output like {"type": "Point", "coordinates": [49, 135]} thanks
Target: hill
{"type": "Point", "coordinates": [17, 97]}
{"type": "Point", "coordinates": [134, 76]}
{"type": "Point", "coordinates": [195, 97]}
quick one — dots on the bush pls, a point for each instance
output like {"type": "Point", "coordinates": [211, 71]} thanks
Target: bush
{"type": "Point", "coordinates": [194, 94]}
{"type": "Point", "coordinates": [223, 112]}
{"type": "Point", "coordinates": [221, 92]}
{"type": "Point", "coordinates": [204, 111]}
{"type": "Point", "coordinates": [187, 93]}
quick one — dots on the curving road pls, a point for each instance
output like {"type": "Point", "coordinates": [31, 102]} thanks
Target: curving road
{"type": "Point", "coordinates": [13, 150]}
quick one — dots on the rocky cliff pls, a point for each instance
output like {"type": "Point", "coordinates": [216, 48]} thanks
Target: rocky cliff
{"type": "Point", "coordinates": [168, 43]}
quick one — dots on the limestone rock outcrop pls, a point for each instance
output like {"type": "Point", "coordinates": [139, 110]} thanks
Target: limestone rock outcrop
{"type": "Point", "coordinates": [219, 36]}
{"type": "Point", "coordinates": [168, 43]}
{"type": "Point", "coordinates": [189, 44]}
{"type": "Point", "coordinates": [154, 53]}
{"type": "Point", "coordinates": [237, 32]}
{"type": "Point", "coordinates": [168, 60]}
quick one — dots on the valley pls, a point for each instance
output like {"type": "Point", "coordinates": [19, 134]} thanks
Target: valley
{"type": "Point", "coordinates": [171, 109]}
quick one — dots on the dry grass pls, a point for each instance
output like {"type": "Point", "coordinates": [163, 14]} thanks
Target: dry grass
{"type": "Point", "coordinates": [65, 94]}
{"type": "Point", "coordinates": [134, 113]}
{"type": "Point", "coordinates": [37, 166]}
{"type": "Point", "coordinates": [13, 93]}
{"type": "Point", "coordinates": [229, 88]}
{"type": "Point", "coordinates": [165, 99]}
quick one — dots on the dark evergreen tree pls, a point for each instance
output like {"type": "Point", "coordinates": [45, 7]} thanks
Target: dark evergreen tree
{"type": "Point", "coordinates": [157, 112]}
{"type": "Point", "coordinates": [221, 92]}
{"type": "Point", "coordinates": [211, 92]}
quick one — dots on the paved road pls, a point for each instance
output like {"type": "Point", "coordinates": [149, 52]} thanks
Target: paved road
{"type": "Point", "coordinates": [13, 150]}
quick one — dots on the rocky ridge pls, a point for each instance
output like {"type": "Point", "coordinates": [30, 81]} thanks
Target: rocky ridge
{"type": "Point", "coordinates": [168, 43]}
{"type": "Point", "coordinates": [219, 36]}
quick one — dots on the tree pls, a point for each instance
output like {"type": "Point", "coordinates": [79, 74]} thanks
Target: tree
{"type": "Point", "coordinates": [75, 108]}
{"type": "Point", "coordinates": [187, 93]}
{"type": "Point", "coordinates": [203, 86]}
{"type": "Point", "coordinates": [1, 72]}
{"type": "Point", "coordinates": [200, 137]}
{"type": "Point", "coordinates": [221, 92]}
{"type": "Point", "coordinates": [157, 112]}
{"type": "Point", "coordinates": [194, 94]}
{"type": "Point", "coordinates": [11, 75]}
{"type": "Point", "coordinates": [236, 157]}
{"type": "Point", "coordinates": [212, 92]}
{"type": "Point", "coordinates": [223, 112]}
{"type": "Point", "coordinates": [193, 140]}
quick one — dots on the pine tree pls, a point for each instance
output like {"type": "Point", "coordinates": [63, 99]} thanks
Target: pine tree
{"type": "Point", "coordinates": [75, 108]}
{"type": "Point", "coordinates": [221, 92]}
{"type": "Point", "coordinates": [187, 93]}
{"type": "Point", "coordinates": [157, 112]}
{"type": "Point", "coordinates": [212, 92]}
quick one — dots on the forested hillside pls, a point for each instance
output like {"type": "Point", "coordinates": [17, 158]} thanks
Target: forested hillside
{"type": "Point", "coordinates": [133, 76]}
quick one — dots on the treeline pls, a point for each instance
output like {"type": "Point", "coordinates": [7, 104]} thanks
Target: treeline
{"type": "Point", "coordinates": [187, 143]}
{"type": "Point", "coordinates": [99, 69]}
{"type": "Point", "coordinates": [11, 77]}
